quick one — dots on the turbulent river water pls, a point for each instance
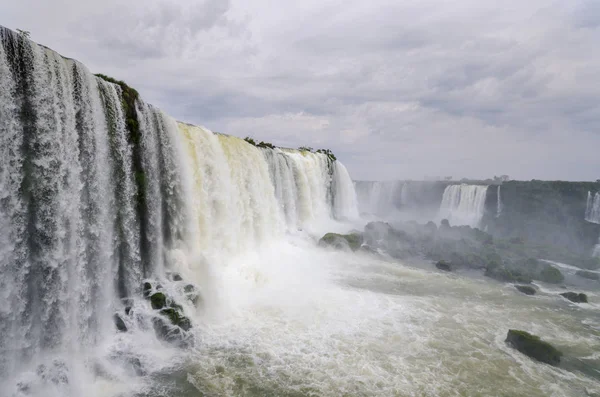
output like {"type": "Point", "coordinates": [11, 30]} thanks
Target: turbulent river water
{"type": "Point", "coordinates": [101, 192]}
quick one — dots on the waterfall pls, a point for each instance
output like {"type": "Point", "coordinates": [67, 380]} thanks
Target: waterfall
{"type": "Point", "coordinates": [463, 204]}
{"type": "Point", "coordinates": [592, 210]}
{"type": "Point", "coordinates": [499, 203]}
{"type": "Point", "coordinates": [379, 197]}
{"type": "Point", "coordinates": [99, 191]}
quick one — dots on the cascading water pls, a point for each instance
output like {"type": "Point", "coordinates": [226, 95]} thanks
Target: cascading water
{"type": "Point", "coordinates": [100, 191]}
{"type": "Point", "coordinates": [592, 210]}
{"type": "Point", "coordinates": [592, 214]}
{"type": "Point", "coordinates": [463, 204]}
{"type": "Point", "coordinates": [379, 197]}
{"type": "Point", "coordinates": [499, 203]}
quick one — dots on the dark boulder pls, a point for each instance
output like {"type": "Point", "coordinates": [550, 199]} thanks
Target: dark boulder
{"type": "Point", "coordinates": [147, 289]}
{"type": "Point", "coordinates": [158, 300]}
{"type": "Point", "coordinates": [526, 289]}
{"type": "Point", "coordinates": [443, 265]}
{"type": "Point", "coordinates": [575, 297]}
{"type": "Point", "coordinates": [533, 346]}
{"type": "Point", "coordinates": [119, 323]}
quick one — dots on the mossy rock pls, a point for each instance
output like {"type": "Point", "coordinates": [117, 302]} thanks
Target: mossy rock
{"type": "Point", "coordinates": [353, 240]}
{"type": "Point", "coordinates": [502, 273]}
{"type": "Point", "coordinates": [177, 318]}
{"type": "Point", "coordinates": [158, 300]}
{"type": "Point", "coordinates": [443, 265]}
{"type": "Point", "coordinates": [526, 289]}
{"type": "Point", "coordinates": [533, 346]}
{"type": "Point", "coordinates": [575, 297]}
{"type": "Point", "coordinates": [550, 274]}
{"type": "Point", "coordinates": [588, 275]}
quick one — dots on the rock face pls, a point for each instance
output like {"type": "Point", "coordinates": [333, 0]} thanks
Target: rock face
{"type": "Point", "coordinates": [526, 289]}
{"type": "Point", "coordinates": [353, 240]}
{"type": "Point", "coordinates": [533, 346]}
{"type": "Point", "coordinates": [443, 265]}
{"type": "Point", "coordinates": [575, 297]}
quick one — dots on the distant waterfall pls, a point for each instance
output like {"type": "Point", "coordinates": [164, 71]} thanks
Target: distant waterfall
{"type": "Point", "coordinates": [592, 210]}
{"type": "Point", "coordinates": [379, 197]}
{"type": "Point", "coordinates": [463, 204]}
{"type": "Point", "coordinates": [499, 203]}
{"type": "Point", "coordinates": [98, 191]}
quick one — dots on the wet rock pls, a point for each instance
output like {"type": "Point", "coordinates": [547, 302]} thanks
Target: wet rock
{"type": "Point", "coordinates": [185, 323]}
{"type": "Point", "coordinates": [147, 289]}
{"type": "Point", "coordinates": [119, 323]}
{"type": "Point", "coordinates": [588, 275]}
{"type": "Point", "coordinates": [550, 274]}
{"type": "Point", "coordinates": [177, 318]}
{"type": "Point", "coordinates": [502, 273]}
{"type": "Point", "coordinates": [575, 297]}
{"type": "Point", "coordinates": [128, 310]}
{"type": "Point", "coordinates": [533, 346]}
{"type": "Point", "coordinates": [443, 265]}
{"type": "Point", "coordinates": [353, 241]}
{"type": "Point", "coordinates": [158, 300]}
{"type": "Point", "coordinates": [526, 289]}
{"type": "Point", "coordinates": [174, 276]}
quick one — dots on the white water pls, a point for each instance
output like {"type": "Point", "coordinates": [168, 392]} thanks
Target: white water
{"type": "Point", "coordinates": [379, 197]}
{"type": "Point", "coordinates": [592, 211]}
{"type": "Point", "coordinates": [84, 221]}
{"type": "Point", "coordinates": [499, 203]}
{"type": "Point", "coordinates": [279, 316]}
{"type": "Point", "coordinates": [463, 204]}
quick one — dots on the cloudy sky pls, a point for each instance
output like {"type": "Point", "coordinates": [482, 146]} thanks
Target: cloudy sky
{"type": "Point", "coordinates": [397, 88]}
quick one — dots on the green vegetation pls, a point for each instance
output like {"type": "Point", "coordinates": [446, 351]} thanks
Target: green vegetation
{"type": "Point", "coordinates": [305, 149]}
{"type": "Point", "coordinates": [353, 240]}
{"type": "Point", "coordinates": [265, 145]}
{"type": "Point", "coordinates": [533, 346]}
{"type": "Point", "coordinates": [328, 153]}
{"type": "Point", "coordinates": [262, 144]}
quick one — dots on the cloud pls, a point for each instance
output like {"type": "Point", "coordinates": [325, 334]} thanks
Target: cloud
{"type": "Point", "coordinates": [396, 89]}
